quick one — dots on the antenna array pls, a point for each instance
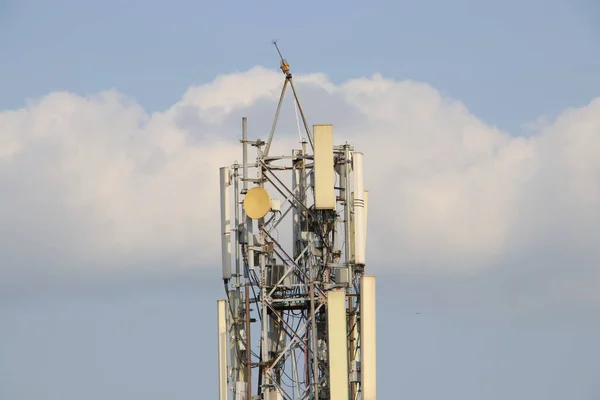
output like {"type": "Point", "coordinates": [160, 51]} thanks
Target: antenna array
{"type": "Point", "coordinates": [299, 318]}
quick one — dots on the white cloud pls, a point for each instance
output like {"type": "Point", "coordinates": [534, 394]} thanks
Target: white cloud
{"type": "Point", "coordinates": [98, 181]}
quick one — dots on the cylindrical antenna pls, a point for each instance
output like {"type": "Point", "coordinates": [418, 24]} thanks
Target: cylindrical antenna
{"type": "Point", "coordinates": [225, 222]}
{"type": "Point", "coordinates": [222, 347]}
{"type": "Point", "coordinates": [359, 209]}
{"type": "Point", "coordinates": [368, 337]}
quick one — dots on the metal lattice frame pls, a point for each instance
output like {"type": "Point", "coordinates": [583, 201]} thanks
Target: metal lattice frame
{"type": "Point", "coordinates": [284, 288]}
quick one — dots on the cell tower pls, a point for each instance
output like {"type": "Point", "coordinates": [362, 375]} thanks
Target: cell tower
{"type": "Point", "coordinates": [298, 321]}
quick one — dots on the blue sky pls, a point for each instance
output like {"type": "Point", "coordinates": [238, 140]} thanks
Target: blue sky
{"type": "Point", "coordinates": [513, 312]}
{"type": "Point", "coordinates": [509, 62]}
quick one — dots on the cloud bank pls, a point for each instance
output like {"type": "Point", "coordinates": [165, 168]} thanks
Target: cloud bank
{"type": "Point", "coordinates": [96, 183]}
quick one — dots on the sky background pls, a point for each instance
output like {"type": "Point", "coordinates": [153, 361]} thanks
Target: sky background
{"type": "Point", "coordinates": [109, 278]}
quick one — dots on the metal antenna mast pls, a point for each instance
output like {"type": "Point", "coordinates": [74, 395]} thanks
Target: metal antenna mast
{"type": "Point", "coordinates": [298, 322]}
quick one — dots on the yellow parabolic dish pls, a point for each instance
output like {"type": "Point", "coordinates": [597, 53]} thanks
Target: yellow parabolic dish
{"type": "Point", "coordinates": [257, 203]}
